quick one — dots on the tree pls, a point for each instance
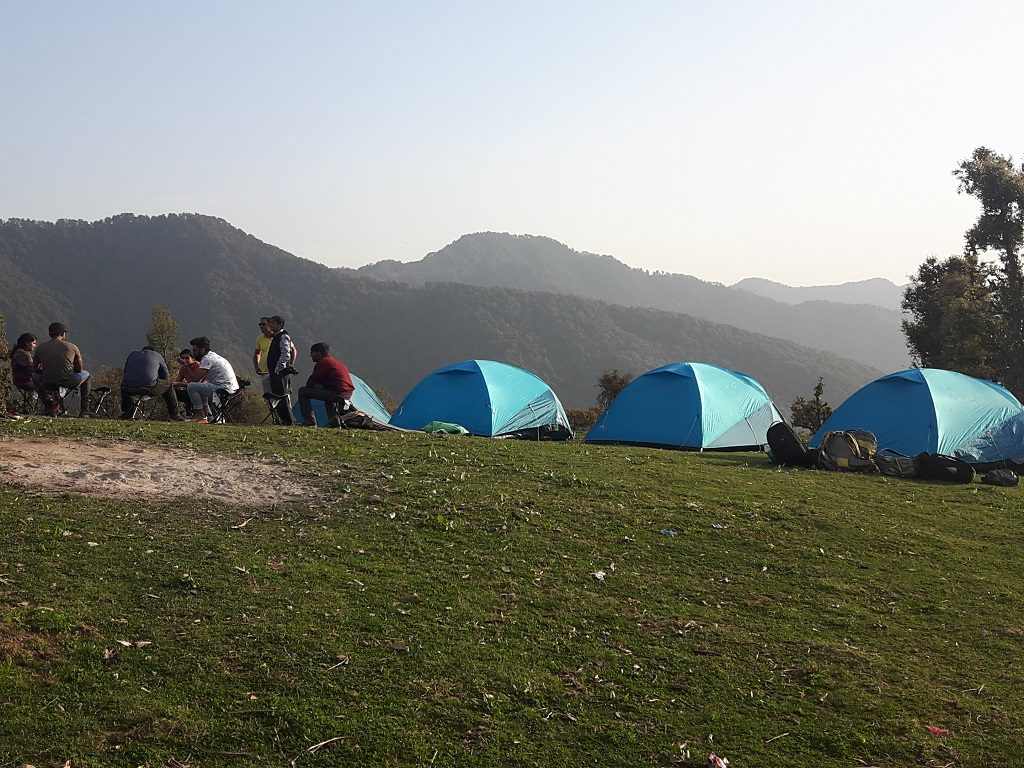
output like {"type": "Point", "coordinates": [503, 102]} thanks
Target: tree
{"type": "Point", "coordinates": [163, 334]}
{"type": "Point", "coordinates": [811, 414]}
{"type": "Point", "coordinates": [5, 369]}
{"type": "Point", "coordinates": [953, 321]}
{"type": "Point", "coordinates": [998, 184]}
{"type": "Point", "coordinates": [609, 384]}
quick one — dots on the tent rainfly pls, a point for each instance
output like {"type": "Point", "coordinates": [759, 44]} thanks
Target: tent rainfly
{"type": "Point", "coordinates": [489, 399]}
{"type": "Point", "coordinates": [935, 411]}
{"type": "Point", "coordinates": [689, 406]}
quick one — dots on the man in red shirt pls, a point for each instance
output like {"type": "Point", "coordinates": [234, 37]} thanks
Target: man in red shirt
{"type": "Point", "coordinates": [329, 382]}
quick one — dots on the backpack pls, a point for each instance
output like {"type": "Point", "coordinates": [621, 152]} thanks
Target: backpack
{"type": "Point", "coordinates": [1004, 478]}
{"type": "Point", "coordinates": [936, 466]}
{"type": "Point", "coordinates": [851, 450]}
{"type": "Point", "coordinates": [895, 464]}
{"type": "Point", "coordinates": [786, 448]}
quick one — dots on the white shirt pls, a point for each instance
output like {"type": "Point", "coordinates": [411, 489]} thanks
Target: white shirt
{"type": "Point", "coordinates": [221, 374]}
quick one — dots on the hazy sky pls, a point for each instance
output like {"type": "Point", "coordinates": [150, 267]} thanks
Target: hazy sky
{"type": "Point", "coordinates": [805, 142]}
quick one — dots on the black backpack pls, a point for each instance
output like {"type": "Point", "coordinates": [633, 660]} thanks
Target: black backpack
{"type": "Point", "coordinates": [786, 448]}
{"type": "Point", "coordinates": [1004, 478]}
{"type": "Point", "coordinates": [936, 466]}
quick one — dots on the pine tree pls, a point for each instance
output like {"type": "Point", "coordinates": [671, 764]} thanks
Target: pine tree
{"type": "Point", "coordinates": [163, 334]}
{"type": "Point", "coordinates": [811, 414]}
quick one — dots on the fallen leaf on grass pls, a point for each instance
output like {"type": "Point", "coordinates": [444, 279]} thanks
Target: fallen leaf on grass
{"type": "Point", "coordinates": [242, 524]}
{"type": "Point", "coordinates": [599, 575]}
{"type": "Point", "coordinates": [937, 730]}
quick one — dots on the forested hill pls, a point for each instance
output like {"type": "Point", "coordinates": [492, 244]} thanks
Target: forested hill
{"type": "Point", "coordinates": [104, 278]}
{"type": "Point", "coordinates": [868, 334]}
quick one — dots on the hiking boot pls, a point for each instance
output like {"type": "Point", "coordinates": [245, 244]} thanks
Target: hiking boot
{"type": "Point", "coordinates": [176, 417]}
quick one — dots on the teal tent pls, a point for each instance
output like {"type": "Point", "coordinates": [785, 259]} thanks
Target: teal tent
{"type": "Point", "coordinates": [690, 406]}
{"type": "Point", "coordinates": [364, 398]}
{"type": "Point", "coordinates": [489, 399]}
{"type": "Point", "coordinates": [930, 410]}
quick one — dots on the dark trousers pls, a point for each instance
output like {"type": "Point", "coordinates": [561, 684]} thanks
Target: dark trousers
{"type": "Point", "coordinates": [331, 398]}
{"type": "Point", "coordinates": [161, 388]}
{"type": "Point", "coordinates": [280, 386]}
{"type": "Point", "coordinates": [182, 396]}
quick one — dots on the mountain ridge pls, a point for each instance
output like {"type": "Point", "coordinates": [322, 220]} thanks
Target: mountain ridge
{"type": "Point", "coordinates": [104, 278]}
{"type": "Point", "coordinates": [538, 263]}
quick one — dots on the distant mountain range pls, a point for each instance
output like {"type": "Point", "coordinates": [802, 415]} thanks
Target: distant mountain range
{"type": "Point", "coordinates": [877, 291]}
{"type": "Point", "coordinates": [104, 278]}
{"type": "Point", "coordinates": [868, 334]}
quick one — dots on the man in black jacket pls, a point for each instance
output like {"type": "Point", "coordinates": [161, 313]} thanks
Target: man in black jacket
{"type": "Point", "coordinates": [279, 365]}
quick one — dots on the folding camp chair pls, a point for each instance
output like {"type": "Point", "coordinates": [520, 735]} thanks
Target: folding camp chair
{"type": "Point", "coordinates": [138, 397]}
{"type": "Point", "coordinates": [272, 402]}
{"type": "Point", "coordinates": [58, 399]}
{"type": "Point", "coordinates": [225, 409]}
{"type": "Point", "coordinates": [29, 400]}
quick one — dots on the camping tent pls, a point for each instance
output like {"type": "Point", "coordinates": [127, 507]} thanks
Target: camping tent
{"type": "Point", "coordinates": [363, 398]}
{"type": "Point", "coordinates": [1003, 444]}
{"type": "Point", "coordinates": [693, 406]}
{"type": "Point", "coordinates": [488, 399]}
{"type": "Point", "coordinates": [927, 409]}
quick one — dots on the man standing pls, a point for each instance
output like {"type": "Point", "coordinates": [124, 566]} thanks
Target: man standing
{"type": "Point", "coordinates": [330, 382]}
{"type": "Point", "coordinates": [61, 365]}
{"type": "Point", "coordinates": [279, 358]}
{"type": "Point", "coordinates": [214, 373]}
{"type": "Point", "coordinates": [146, 370]}
{"type": "Point", "coordinates": [262, 353]}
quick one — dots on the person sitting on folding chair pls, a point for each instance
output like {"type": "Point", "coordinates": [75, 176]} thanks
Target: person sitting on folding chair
{"type": "Point", "coordinates": [188, 371]}
{"type": "Point", "coordinates": [146, 375]}
{"type": "Point", "coordinates": [330, 382]}
{"type": "Point", "coordinates": [61, 365]}
{"type": "Point", "coordinates": [23, 366]}
{"type": "Point", "coordinates": [214, 373]}
{"type": "Point", "coordinates": [279, 365]}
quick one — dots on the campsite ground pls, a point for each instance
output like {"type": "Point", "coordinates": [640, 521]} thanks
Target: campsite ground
{"type": "Point", "coordinates": [470, 602]}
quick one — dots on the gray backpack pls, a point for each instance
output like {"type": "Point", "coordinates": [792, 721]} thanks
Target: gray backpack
{"type": "Point", "coordinates": [851, 450]}
{"type": "Point", "coordinates": [895, 464]}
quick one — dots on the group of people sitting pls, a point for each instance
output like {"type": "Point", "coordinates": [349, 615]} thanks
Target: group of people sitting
{"type": "Point", "coordinates": [57, 365]}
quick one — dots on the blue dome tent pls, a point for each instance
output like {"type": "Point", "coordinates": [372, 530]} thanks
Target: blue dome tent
{"type": "Point", "coordinates": [489, 399]}
{"type": "Point", "coordinates": [1000, 446]}
{"type": "Point", "coordinates": [691, 406]}
{"type": "Point", "coordinates": [928, 410]}
{"type": "Point", "coordinates": [363, 398]}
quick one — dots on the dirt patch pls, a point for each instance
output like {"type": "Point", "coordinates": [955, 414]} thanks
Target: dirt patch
{"type": "Point", "coordinates": [144, 472]}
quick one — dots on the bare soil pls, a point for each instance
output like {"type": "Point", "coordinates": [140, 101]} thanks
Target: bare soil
{"type": "Point", "coordinates": [138, 472]}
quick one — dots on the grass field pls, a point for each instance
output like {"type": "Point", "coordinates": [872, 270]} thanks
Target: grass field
{"type": "Point", "coordinates": [466, 602]}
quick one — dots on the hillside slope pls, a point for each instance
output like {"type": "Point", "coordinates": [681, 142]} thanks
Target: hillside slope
{"type": "Point", "coordinates": [527, 262]}
{"type": "Point", "coordinates": [877, 291]}
{"type": "Point", "coordinates": [104, 279]}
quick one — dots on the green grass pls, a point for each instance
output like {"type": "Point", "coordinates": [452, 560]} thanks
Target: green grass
{"type": "Point", "coordinates": [437, 606]}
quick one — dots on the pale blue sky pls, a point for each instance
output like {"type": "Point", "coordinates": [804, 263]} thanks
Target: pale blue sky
{"type": "Point", "coordinates": [805, 142]}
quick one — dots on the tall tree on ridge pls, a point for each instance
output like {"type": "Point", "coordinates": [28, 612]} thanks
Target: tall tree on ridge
{"type": "Point", "coordinates": [998, 184]}
{"type": "Point", "coordinates": [952, 320]}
